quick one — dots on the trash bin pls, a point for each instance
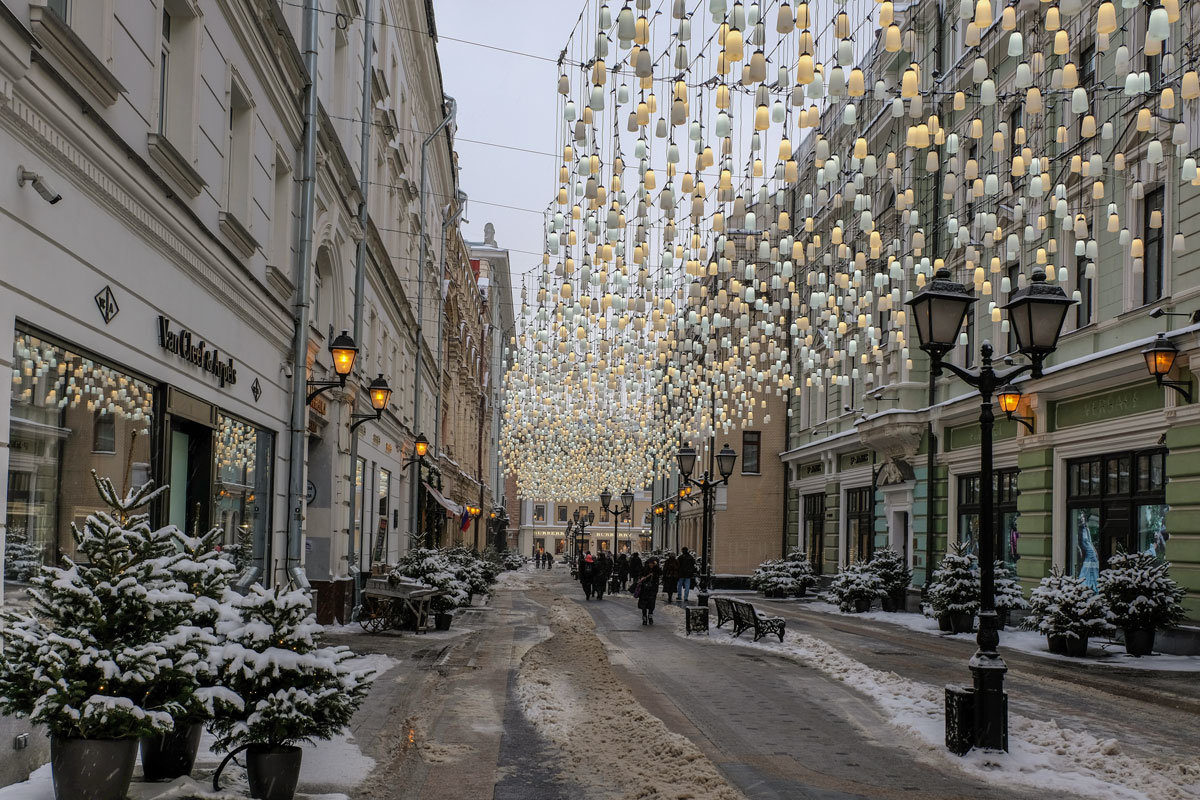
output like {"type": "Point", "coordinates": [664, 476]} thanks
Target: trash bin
{"type": "Point", "coordinates": [960, 719]}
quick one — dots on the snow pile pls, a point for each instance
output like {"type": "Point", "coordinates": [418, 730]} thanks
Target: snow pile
{"type": "Point", "coordinates": [41, 787]}
{"type": "Point", "coordinates": [1041, 754]}
{"type": "Point", "coordinates": [568, 689]}
{"type": "Point", "coordinates": [515, 580]}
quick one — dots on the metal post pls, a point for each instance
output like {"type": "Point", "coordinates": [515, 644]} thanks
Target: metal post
{"type": "Point", "coordinates": [987, 667]}
{"type": "Point", "coordinates": [299, 413]}
{"type": "Point", "coordinates": [707, 489]}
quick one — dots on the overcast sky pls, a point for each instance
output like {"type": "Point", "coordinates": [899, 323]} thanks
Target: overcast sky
{"type": "Point", "coordinates": [509, 100]}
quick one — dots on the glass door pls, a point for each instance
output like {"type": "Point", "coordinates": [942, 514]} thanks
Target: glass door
{"type": "Point", "coordinates": [814, 529]}
{"type": "Point", "coordinates": [190, 476]}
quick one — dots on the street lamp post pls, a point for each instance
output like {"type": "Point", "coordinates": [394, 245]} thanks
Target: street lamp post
{"type": "Point", "coordinates": [707, 485]}
{"type": "Point", "coordinates": [626, 505]}
{"type": "Point", "coordinates": [420, 448]}
{"type": "Point", "coordinates": [581, 523]}
{"type": "Point", "coordinates": [1036, 313]}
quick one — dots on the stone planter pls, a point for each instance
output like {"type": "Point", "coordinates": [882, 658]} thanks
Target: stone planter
{"type": "Point", "coordinates": [962, 622]}
{"type": "Point", "coordinates": [894, 601]}
{"type": "Point", "coordinates": [273, 772]}
{"type": "Point", "coordinates": [944, 625]}
{"type": "Point", "coordinates": [442, 622]}
{"type": "Point", "coordinates": [171, 755]}
{"type": "Point", "coordinates": [1057, 644]}
{"type": "Point", "coordinates": [862, 605]}
{"type": "Point", "coordinates": [73, 766]}
{"type": "Point", "coordinates": [1077, 646]}
{"type": "Point", "coordinates": [1139, 641]}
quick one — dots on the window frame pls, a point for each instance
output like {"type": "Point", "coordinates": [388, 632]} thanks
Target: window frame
{"type": "Point", "coordinates": [752, 439]}
{"type": "Point", "coordinates": [1150, 234]}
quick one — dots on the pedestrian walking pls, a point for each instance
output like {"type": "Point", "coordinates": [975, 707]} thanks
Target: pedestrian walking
{"type": "Point", "coordinates": [635, 570]}
{"type": "Point", "coordinates": [549, 560]}
{"type": "Point", "coordinates": [587, 571]}
{"type": "Point", "coordinates": [622, 567]}
{"type": "Point", "coordinates": [687, 573]}
{"type": "Point", "coordinates": [601, 575]}
{"type": "Point", "coordinates": [670, 576]}
{"type": "Point", "coordinates": [646, 589]}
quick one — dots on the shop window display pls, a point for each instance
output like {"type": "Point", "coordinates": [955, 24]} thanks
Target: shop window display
{"type": "Point", "coordinates": [1115, 503]}
{"type": "Point", "coordinates": [71, 414]}
{"type": "Point", "coordinates": [1004, 502]}
{"type": "Point", "coordinates": [241, 499]}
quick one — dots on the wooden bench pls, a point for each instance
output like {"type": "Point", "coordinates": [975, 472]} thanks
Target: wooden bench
{"type": "Point", "coordinates": [746, 617]}
{"type": "Point", "coordinates": [724, 610]}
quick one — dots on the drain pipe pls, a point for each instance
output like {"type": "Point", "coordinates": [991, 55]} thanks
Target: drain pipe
{"type": "Point", "coordinates": [360, 258]}
{"type": "Point", "coordinates": [451, 111]}
{"type": "Point", "coordinates": [297, 453]}
{"type": "Point", "coordinates": [461, 198]}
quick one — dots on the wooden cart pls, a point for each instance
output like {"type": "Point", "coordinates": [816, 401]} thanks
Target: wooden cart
{"type": "Point", "coordinates": [388, 606]}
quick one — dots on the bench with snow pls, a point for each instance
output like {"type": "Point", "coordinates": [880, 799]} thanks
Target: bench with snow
{"type": "Point", "coordinates": [746, 617]}
{"type": "Point", "coordinates": [724, 610]}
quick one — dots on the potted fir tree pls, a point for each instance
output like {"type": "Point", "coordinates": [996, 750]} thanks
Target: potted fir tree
{"type": "Point", "coordinates": [772, 578]}
{"type": "Point", "coordinates": [293, 690]}
{"type": "Point", "coordinates": [188, 680]}
{"type": "Point", "coordinates": [855, 587]}
{"type": "Point", "coordinates": [1068, 612]}
{"type": "Point", "coordinates": [1008, 594]}
{"type": "Point", "coordinates": [894, 575]}
{"type": "Point", "coordinates": [435, 568]}
{"type": "Point", "coordinates": [953, 592]}
{"type": "Point", "coordinates": [799, 567]}
{"type": "Point", "coordinates": [1142, 597]}
{"type": "Point", "coordinates": [82, 660]}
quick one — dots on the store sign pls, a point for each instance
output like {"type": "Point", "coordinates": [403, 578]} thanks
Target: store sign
{"type": "Point", "coordinates": [195, 350]}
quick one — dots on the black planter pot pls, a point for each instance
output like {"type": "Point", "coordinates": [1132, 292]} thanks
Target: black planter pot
{"type": "Point", "coordinates": [273, 772]}
{"type": "Point", "coordinates": [962, 622]}
{"type": "Point", "coordinates": [1077, 646]}
{"type": "Point", "coordinates": [801, 592]}
{"type": "Point", "coordinates": [442, 622]}
{"type": "Point", "coordinates": [862, 605]}
{"type": "Point", "coordinates": [1001, 618]}
{"type": "Point", "coordinates": [1139, 641]}
{"type": "Point", "coordinates": [73, 766]}
{"type": "Point", "coordinates": [171, 755]}
{"type": "Point", "coordinates": [944, 625]}
{"type": "Point", "coordinates": [1057, 644]}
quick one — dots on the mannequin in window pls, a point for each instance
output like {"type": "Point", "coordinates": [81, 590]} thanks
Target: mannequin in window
{"type": "Point", "coordinates": [1090, 571]}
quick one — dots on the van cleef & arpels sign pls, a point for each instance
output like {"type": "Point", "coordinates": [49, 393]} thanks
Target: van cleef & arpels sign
{"type": "Point", "coordinates": [195, 350]}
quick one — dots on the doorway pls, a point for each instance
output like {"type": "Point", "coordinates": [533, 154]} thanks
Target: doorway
{"type": "Point", "coordinates": [190, 476]}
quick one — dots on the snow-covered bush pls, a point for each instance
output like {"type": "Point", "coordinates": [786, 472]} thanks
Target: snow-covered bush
{"type": "Point", "coordinates": [1008, 592]}
{"type": "Point", "coordinates": [892, 570]}
{"type": "Point", "coordinates": [800, 568]}
{"type": "Point", "coordinates": [954, 586]}
{"type": "Point", "coordinates": [772, 577]}
{"type": "Point", "coordinates": [22, 558]}
{"type": "Point", "coordinates": [853, 583]}
{"type": "Point", "coordinates": [1066, 606]}
{"type": "Point", "coordinates": [293, 689]}
{"type": "Point", "coordinates": [513, 560]}
{"type": "Point", "coordinates": [101, 632]}
{"type": "Point", "coordinates": [1140, 592]}
{"type": "Point", "coordinates": [476, 572]}
{"type": "Point", "coordinates": [435, 568]}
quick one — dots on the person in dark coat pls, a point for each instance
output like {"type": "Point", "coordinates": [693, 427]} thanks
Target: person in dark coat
{"type": "Point", "coordinates": [587, 572]}
{"type": "Point", "coordinates": [670, 574]}
{"type": "Point", "coordinates": [635, 570]}
{"type": "Point", "coordinates": [687, 573]}
{"type": "Point", "coordinates": [622, 568]}
{"type": "Point", "coordinates": [647, 589]}
{"type": "Point", "coordinates": [601, 575]}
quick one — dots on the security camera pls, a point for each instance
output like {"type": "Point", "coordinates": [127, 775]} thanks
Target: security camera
{"type": "Point", "coordinates": [39, 184]}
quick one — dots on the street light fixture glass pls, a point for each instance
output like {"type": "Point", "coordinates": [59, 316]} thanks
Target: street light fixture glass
{"type": "Point", "coordinates": [627, 497]}
{"type": "Point", "coordinates": [687, 460]}
{"type": "Point", "coordinates": [605, 498]}
{"type": "Point", "coordinates": [1009, 398]}
{"type": "Point", "coordinates": [421, 446]}
{"type": "Point", "coordinates": [380, 393]}
{"type": "Point", "coordinates": [938, 311]}
{"type": "Point", "coordinates": [1036, 314]}
{"type": "Point", "coordinates": [575, 516]}
{"type": "Point", "coordinates": [344, 352]}
{"type": "Point", "coordinates": [591, 517]}
{"type": "Point", "coordinates": [725, 461]}
{"type": "Point", "coordinates": [1160, 357]}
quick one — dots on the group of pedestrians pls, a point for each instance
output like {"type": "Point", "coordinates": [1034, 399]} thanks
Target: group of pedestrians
{"type": "Point", "coordinates": [601, 572]}
{"type": "Point", "coordinates": [543, 559]}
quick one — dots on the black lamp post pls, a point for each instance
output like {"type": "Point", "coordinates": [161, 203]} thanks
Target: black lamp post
{"type": "Point", "coordinates": [499, 520]}
{"type": "Point", "coordinates": [626, 505]}
{"type": "Point", "coordinates": [1036, 314]}
{"type": "Point", "coordinates": [420, 448]}
{"type": "Point", "coordinates": [581, 523]}
{"type": "Point", "coordinates": [707, 485]}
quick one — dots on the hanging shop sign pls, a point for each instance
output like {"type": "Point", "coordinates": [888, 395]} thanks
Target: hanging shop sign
{"type": "Point", "coordinates": [195, 350]}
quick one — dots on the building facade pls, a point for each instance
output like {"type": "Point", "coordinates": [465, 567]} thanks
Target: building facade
{"type": "Point", "coordinates": [549, 526]}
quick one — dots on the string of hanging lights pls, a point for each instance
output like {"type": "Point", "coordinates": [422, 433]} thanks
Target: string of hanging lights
{"type": "Point", "coordinates": [749, 192]}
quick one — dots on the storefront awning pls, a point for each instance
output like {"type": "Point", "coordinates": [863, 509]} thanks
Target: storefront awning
{"type": "Point", "coordinates": [453, 508]}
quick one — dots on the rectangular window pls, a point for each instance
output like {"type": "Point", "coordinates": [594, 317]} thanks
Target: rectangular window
{"type": "Point", "coordinates": [751, 444]}
{"type": "Point", "coordinates": [70, 413]}
{"type": "Point", "coordinates": [238, 154]}
{"type": "Point", "coordinates": [562, 513]}
{"type": "Point", "coordinates": [539, 513]}
{"type": "Point", "coordinates": [1004, 520]}
{"type": "Point", "coordinates": [1083, 284]}
{"type": "Point", "coordinates": [164, 70]}
{"type": "Point", "coordinates": [62, 8]}
{"type": "Point", "coordinates": [1013, 273]}
{"type": "Point", "coordinates": [1115, 502]}
{"type": "Point", "coordinates": [1152, 240]}
{"type": "Point", "coordinates": [860, 524]}
{"type": "Point", "coordinates": [383, 497]}
{"type": "Point", "coordinates": [242, 501]}
{"type": "Point", "coordinates": [281, 213]}
{"type": "Point", "coordinates": [814, 529]}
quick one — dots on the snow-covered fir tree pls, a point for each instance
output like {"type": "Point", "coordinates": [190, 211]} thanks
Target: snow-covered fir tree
{"type": "Point", "coordinates": [954, 585]}
{"type": "Point", "coordinates": [100, 631]}
{"type": "Point", "coordinates": [800, 568]}
{"type": "Point", "coordinates": [855, 582]}
{"type": "Point", "coordinates": [22, 558]}
{"type": "Point", "coordinates": [1063, 605]}
{"type": "Point", "coordinates": [1140, 592]}
{"type": "Point", "coordinates": [894, 574]}
{"type": "Point", "coordinates": [434, 568]}
{"type": "Point", "coordinates": [293, 689]}
{"type": "Point", "coordinates": [1008, 594]}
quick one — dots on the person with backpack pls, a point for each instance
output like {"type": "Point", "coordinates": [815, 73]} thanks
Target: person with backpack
{"type": "Point", "coordinates": [635, 570]}
{"type": "Point", "coordinates": [687, 573]}
{"type": "Point", "coordinates": [670, 576]}
{"type": "Point", "coordinates": [601, 575]}
{"type": "Point", "coordinates": [646, 589]}
{"type": "Point", "coordinates": [622, 568]}
{"type": "Point", "coordinates": [587, 572]}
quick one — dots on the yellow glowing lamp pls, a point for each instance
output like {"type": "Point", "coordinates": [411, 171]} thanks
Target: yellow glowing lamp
{"type": "Point", "coordinates": [1160, 357]}
{"type": "Point", "coordinates": [380, 393]}
{"type": "Point", "coordinates": [1009, 398]}
{"type": "Point", "coordinates": [421, 446]}
{"type": "Point", "coordinates": [344, 351]}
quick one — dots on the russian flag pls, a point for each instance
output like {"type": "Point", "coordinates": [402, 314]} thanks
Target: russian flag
{"type": "Point", "coordinates": [465, 522]}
